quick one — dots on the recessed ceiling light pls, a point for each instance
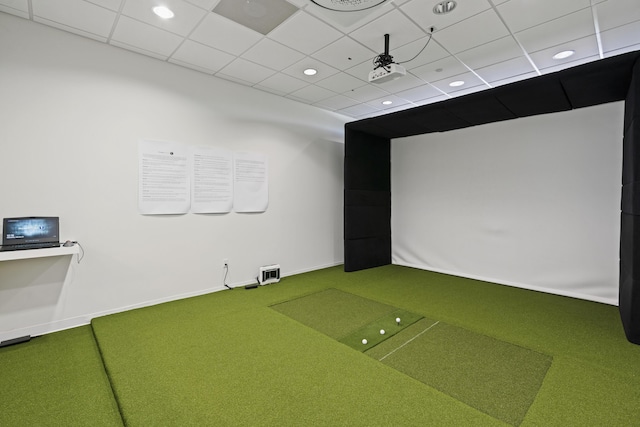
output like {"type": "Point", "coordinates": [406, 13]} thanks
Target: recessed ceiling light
{"type": "Point", "coordinates": [163, 12]}
{"type": "Point", "coordinates": [444, 7]}
{"type": "Point", "coordinates": [564, 54]}
{"type": "Point", "coordinates": [310, 72]}
{"type": "Point", "coordinates": [387, 102]}
{"type": "Point", "coordinates": [456, 83]}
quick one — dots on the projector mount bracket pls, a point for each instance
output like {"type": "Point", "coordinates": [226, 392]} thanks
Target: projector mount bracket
{"type": "Point", "coordinates": [384, 59]}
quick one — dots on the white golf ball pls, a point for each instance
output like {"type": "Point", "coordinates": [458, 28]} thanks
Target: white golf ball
{"type": "Point", "coordinates": [397, 320]}
{"type": "Point", "coordinates": [364, 341]}
{"type": "Point", "coordinates": [381, 331]}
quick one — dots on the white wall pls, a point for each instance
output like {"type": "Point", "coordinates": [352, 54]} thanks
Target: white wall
{"type": "Point", "coordinates": [73, 111]}
{"type": "Point", "coordinates": [532, 202]}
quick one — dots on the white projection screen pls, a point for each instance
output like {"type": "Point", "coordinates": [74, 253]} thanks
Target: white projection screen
{"type": "Point", "coordinates": [531, 202]}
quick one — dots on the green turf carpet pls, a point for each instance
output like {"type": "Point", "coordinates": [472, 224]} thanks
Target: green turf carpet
{"type": "Point", "coordinates": [230, 359]}
{"type": "Point", "coordinates": [490, 375]}
{"type": "Point", "coordinates": [197, 364]}
{"type": "Point", "coordinates": [348, 318]}
{"type": "Point", "coordinates": [56, 380]}
{"type": "Point", "coordinates": [493, 376]}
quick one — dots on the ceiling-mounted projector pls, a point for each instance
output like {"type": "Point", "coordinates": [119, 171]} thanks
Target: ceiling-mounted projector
{"type": "Point", "coordinates": [385, 74]}
{"type": "Point", "coordinates": [385, 69]}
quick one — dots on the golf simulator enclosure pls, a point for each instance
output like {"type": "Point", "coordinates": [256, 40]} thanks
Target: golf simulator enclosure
{"type": "Point", "coordinates": [368, 166]}
{"type": "Point", "coordinates": [464, 352]}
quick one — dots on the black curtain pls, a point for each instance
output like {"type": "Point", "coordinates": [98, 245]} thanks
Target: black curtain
{"type": "Point", "coordinates": [629, 295]}
{"type": "Point", "coordinates": [367, 201]}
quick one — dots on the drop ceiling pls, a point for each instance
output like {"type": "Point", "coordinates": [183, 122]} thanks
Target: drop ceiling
{"type": "Point", "coordinates": [484, 43]}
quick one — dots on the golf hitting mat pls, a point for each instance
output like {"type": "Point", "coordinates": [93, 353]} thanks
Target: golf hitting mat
{"type": "Point", "coordinates": [493, 376]}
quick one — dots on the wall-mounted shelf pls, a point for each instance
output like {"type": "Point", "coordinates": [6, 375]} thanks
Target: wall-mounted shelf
{"type": "Point", "coordinates": [38, 253]}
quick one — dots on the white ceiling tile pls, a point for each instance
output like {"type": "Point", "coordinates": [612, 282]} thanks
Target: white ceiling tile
{"type": "Point", "coordinates": [138, 50]}
{"type": "Point", "coordinates": [470, 81]}
{"type": "Point", "coordinates": [208, 58]}
{"type": "Point", "coordinates": [358, 110]}
{"type": "Point", "coordinates": [341, 82]}
{"type": "Point", "coordinates": [419, 93]}
{"type": "Point", "coordinates": [223, 34]}
{"type": "Point", "coordinates": [186, 16]}
{"type": "Point", "coordinates": [347, 22]}
{"type": "Point", "coordinates": [247, 71]}
{"type": "Point", "coordinates": [401, 31]}
{"type": "Point", "coordinates": [395, 102]}
{"type": "Point", "coordinates": [441, 97]}
{"type": "Point", "coordinates": [491, 53]}
{"type": "Point", "coordinates": [622, 37]}
{"type": "Point", "coordinates": [344, 53]}
{"type": "Point", "coordinates": [514, 79]}
{"type": "Point", "coordinates": [422, 12]}
{"type": "Point", "coordinates": [366, 93]}
{"type": "Point", "coordinates": [612, 14]}
{"type": "Point", "coordinates": [440, 69]}
{"type": "Point", "coordinates": [109, 4]}
{"type": "Point", "coordinates": [523, 14]}
{"type": "Point", "coordinates": [342, 46]}
{"type": "Point", "coordinates": [305, 33]}
{"type": "Point", "coordinates": [282, 83]}
{"type": "Point", "coordinates": [145, 36]}
{"type": "Point", "coordinates": [337, 102]}
{"type": "Point", "coordinates": [419, 52]}
{"type": "Point", "coordinates": [273, 55]}
{"type": "Point", "coordinates": [622, 50]}
{"type": "Point", "coordinates": [553, 33]}
{"type": "Point", "coordinates": [584, 48]}
{"type": "Point", "coordinates": [296, 70]}
{"type": "Point", "coordinates": [506, 69]}
{"type": "Point", "coordinates": [361, 71]}
{"type": "Point", "coordinates": [474, 31]}
{"type": "Point", "coordinates": [205, 4]}
{"type": "Point", "coordinates": [313, 93]}
{"type": "Point", "coordinates": [467, 91]}
{"type": "Point", "coordinates": [565, 65]}
{"type": "Point", "coordinates": [76, 14]}
{"type": "Point", "coordinates": [15, 7]}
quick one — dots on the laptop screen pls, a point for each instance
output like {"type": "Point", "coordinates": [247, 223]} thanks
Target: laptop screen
{"type": "Point", "coordinates": [28, 230]}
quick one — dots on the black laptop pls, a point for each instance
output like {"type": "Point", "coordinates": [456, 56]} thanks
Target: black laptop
{"type": "Point", "coordinates": [34, 232]}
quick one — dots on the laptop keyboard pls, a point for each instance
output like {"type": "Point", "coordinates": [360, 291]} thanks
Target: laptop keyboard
{"type": "Point", "coordinates": [27, 246]}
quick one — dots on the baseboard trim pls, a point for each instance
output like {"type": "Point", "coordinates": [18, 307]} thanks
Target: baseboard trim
{"type": "Point", "coordinates": [587, 297]}
{"type": "Point", "coordinates": [85, 319]}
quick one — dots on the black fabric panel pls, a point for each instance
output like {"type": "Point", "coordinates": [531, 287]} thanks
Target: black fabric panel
{"type": "Point", "coordinates": [629, 293]}
{"type": "Point", "coordinates": [629, 301]}
{"type": "Point", "coordinates": [630, 245]}
{"type": "Point", "coordinates": [479, 108]}
{"type": "Point", "coordinates": [632, 99]}
{"type": "Point", "coordinates": [629, 285]}
{"type": "Point", "coordinates": [631, 153]}
{"type": "Point", "coordinates": [367, 221]}
{"type": "Point", "coordinates": [367, 201]}
{"type": "Point", "coordinates": [367, 253]}
{"type": "Point", "coordinates": [541, 95]}
{"type": "Point", "coordinates": [591, 84]}
{"type": "Point", "coordinates": [367, 198]}
{"type": "Point", "coordinates": [631, 198]}
{"type": "Point", "coordinates": [588, 84]}
{"type": "Point", "coordinates": [438, 118]}
{"type": "Point", "coordinates": [367, 162]}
